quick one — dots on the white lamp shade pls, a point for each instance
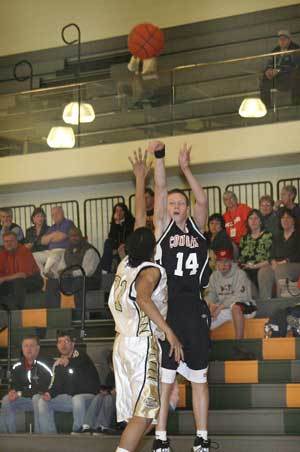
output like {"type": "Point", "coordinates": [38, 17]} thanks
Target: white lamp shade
{"type": "Point", "coordinates": [70, 114]}
{"type": "Point", "coordinates": [252, 108]}
{"type": "Point", "coordinates": [61, 138]}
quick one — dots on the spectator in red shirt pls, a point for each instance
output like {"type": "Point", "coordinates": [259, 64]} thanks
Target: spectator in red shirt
{"type": "Point", "coordinates": [235, 217]}
{"type": "Point", "coordinates": [19, 272]}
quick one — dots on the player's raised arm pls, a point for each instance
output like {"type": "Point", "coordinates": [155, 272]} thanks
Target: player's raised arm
{"type": "Point", "coordinates": [161, 217]}
{"type": "Point", "coordinates": [201, 208]}
{"type": "Point", "coordinates": [140, 170]}
{"type": "Point", "coordinates": [145, 285]}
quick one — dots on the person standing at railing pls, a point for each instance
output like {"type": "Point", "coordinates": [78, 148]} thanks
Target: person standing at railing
{"type": "Point", "coordinates": [282, 71]}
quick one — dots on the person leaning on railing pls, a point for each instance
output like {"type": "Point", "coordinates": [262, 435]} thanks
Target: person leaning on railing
{"type": "Point", "coordinates": [282, 71]}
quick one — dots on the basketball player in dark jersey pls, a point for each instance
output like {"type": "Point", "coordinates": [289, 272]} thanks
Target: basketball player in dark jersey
{"type": "Point", "coordinates": [182, 251]}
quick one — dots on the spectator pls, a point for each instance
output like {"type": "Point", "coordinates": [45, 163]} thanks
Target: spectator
{"type": "Point", "coordinates": [149, 198]}
{"type": "Point", "coordinates": [255, 250]}
{"type": "Point", "coordinates": [35, 233]}
{"type": "Point", "coordinates": [270, 220]}
{"type": "Point", "coordinates": [229, 294]}
{"type": "Point", "coordinates": [102, 411]}
{"type": "Point", "coordinates": [74, 384]}
{"type": "Point", "coordinates": [282, 71]}
{"type": "Point", "coordinates": [79, 252]}
{"type": "Point", "coordinates": [56, 239]}
{"type": "Point", "coordinates": [122, 224]}
{"type": "Point", "coordinates": [235, 217]}
{"type": "Point", "coordinates": [285, 256]}
{"type": "Point", "coordinates": [18, 271]}
{"type": "Point", "coordinates": [30, 376]}
{"type": "Point", "coordinates": [217, 237]}
{"type": "Point", "coordinates": [287, 200]}
{"type": "Point", "coordinates": [7, 225]}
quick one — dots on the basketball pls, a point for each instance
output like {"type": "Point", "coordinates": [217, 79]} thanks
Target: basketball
{"type": "Point", "coordinates": [146, 41]}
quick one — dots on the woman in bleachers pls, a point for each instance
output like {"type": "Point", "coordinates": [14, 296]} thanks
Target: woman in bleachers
{"type": "Point", "coordinates": [35, 233]}
{"type": "Point", "coordinates": [284, 256]}
{"type": "Point", "coordinates": [218, 239]}
{"type": "Point", "coordinates": [255, 249]}
{"type": "Point", "coordinates": [121, 226]}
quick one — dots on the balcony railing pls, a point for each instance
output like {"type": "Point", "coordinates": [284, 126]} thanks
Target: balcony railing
{"type": "Point", "coordinates": [187, 99]}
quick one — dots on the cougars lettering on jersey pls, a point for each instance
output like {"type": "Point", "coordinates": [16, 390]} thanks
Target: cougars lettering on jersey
{"type": "Point", "coordinates": [183, 240]}
{"type": "Point", "coordinates": [184, 256]}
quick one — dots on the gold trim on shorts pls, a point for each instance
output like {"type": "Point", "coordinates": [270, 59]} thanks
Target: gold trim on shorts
{"type": "Point", "coordinates": [148, 402]}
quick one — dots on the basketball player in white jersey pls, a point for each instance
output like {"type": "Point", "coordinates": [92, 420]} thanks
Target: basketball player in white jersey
{"type": "Point", "coordinates": [182, 251]}
{"type": "Point", "coordinates": [138, 302]}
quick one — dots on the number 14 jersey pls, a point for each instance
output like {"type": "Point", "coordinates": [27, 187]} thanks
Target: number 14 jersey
{"type": "Point", "coordinates": [184, 256]}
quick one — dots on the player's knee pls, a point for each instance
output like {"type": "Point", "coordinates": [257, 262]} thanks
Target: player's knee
{"type": "Point", "coordinates": [168, 376]}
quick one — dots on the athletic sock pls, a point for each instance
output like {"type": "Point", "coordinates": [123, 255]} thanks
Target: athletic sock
{"type": "Point", "coordinates": [162, 435]}
{"type": "Point", "coordinates": [120, 449]}
{"type": "Point", "coordinates": [202, 433]}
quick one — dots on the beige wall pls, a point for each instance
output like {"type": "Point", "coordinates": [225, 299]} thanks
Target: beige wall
{"type": "Point", "coordinates": [27, 25]}
{"type": "Point", "coordinates": [236, 148]}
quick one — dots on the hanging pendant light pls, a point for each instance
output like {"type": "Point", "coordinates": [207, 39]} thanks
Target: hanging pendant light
{"type": "Point", "coordinates": [252, 108]}
{"type": "Point", "coordinates": [70, 114]}
{"type": "Point", "coordinates": [61, 138]}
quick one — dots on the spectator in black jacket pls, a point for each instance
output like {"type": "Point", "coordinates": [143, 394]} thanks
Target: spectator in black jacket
{"type": "Point", "coordinates": [34, 234]}
{"type": "Point", "coordinates": [284, 256]}
{"type": "Point", "coordinates": [282, 71]}
{"type": "Point", "coordinates": [102, 411]}
{"type": "Point", "coordinates": [74, 384]}
{"type": "Point", "coordinates": [121, 226]}
{"type": "Point", "coordinates": [30, 377]}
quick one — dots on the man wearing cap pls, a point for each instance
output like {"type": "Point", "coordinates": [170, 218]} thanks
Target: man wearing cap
{"type": "Point", "coordinates": [229, 294]}
{"type": "Point", "coordinates": [282, 71]}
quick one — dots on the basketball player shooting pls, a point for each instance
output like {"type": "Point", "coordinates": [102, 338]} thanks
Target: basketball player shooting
{"type": "Point", "coordinates": [182, 251]}
{"type": "Point", "coordinates": [138, 302]}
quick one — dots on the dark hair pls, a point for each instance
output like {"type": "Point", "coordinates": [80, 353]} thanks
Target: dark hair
{"type": "Point", "coordinates": [33, 337]}
{"type": "Point", "coordinates": [37, 210]}
{"type": "Point", "coordinates": [67, 333]}
{"type": "Point", "coordinates": [140, 246]}
{"type": "Point", "coordinates": [285, 211]}
{"type": "Point", "coordinates": [259, 215]}
{"type": "Point", "coordinates": [128, 217]}
{"type": "Point", "coordinates": [181, 192]}
{"type": "Point", "coordinates": [216, 217]}
{"type": "Point", "coordinates": [149, 191]}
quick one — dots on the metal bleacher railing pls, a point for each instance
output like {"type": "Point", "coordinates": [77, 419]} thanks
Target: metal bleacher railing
{"type": "Point", "coordinates": [185, 99]}
{"type": "Point", "coordinates": [251, 192]}
{"type": "Point", "coordinates": [97, 212]}
{"type": "Point", "coordinates": [97, 217]}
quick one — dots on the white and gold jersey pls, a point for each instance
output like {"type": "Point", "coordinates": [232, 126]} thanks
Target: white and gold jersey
{"type": "Point", "coordinates": [130, 320]}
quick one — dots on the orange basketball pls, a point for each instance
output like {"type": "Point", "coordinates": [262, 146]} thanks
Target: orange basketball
{"type": "Point", "coordinates": [146, 41]}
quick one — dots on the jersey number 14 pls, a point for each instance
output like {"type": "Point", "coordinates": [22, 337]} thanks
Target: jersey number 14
{"type": "Point", "coordinates": [191, 264]}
